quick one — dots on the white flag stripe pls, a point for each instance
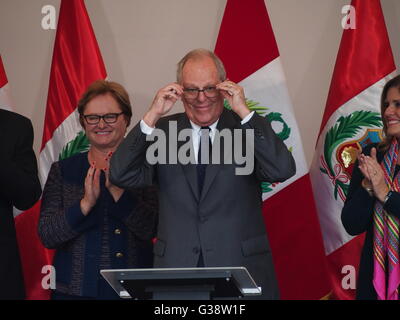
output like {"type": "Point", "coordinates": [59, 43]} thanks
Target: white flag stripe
{"type": "Point", "coordinates": [267, 86]}
{"type": "Point", "coordinates": [65, 132]}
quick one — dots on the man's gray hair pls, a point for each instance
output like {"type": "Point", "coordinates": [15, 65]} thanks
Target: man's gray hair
{"type": "Point", "coordinates": [198, 54]}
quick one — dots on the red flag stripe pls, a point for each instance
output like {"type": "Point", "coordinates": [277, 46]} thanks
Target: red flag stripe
{"type": "Point", "coordinates": [364, 58]}
{"type": "Point", "coordinates": [349, 253]}
{"type": "Point", "coordinates": [27, 236]}
{"type": "Point", "coordinates": [296, 242]}
{"type": "Point", "coordinates": [72, 69]}
{"type": "Point", "coordinates": [242, 27]}
{"type": "Point", "coordinates": [3, 76]}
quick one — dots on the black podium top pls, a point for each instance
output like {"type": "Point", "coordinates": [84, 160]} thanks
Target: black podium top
{"type": "Point", "coordinates": [219, 282]}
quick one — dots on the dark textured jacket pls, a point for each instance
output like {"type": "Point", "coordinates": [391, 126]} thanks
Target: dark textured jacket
{"type": "Point", "coordinates": [19, 187]}
{"type": "Point", "coordinates": [113, 235]}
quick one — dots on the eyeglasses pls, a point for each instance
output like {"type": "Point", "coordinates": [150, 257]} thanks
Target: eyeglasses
{"type": "Point", "coordinates": [193, 93]}
{"type": "Point", "coordinates": [107, 118]}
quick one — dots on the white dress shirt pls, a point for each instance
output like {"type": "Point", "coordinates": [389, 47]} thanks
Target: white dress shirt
{"type": "Point", "coordinates": [195, 131]}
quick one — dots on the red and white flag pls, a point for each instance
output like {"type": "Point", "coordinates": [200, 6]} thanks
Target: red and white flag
{"type": "Point", "coordinates": [246, 44]}
{"type": "Point", "coordinates": [351, 121]}
{"type": "Point", "coordinates": [76, 63]}
{"type": "Point", "coordinates": [5, 95]}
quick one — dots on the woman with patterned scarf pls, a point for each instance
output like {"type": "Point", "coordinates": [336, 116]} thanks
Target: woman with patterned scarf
{"type": "Point", "coordinates": [373, 205]}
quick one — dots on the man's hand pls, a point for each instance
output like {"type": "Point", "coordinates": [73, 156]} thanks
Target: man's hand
{"type": "Point", "coordinates": [163, 103]}
{"type": "Point", "coordinates": [235, 96]}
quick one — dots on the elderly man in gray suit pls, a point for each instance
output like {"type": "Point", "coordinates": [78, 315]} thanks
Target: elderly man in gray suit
{"type": "Point", "coordinates": [209, 214]}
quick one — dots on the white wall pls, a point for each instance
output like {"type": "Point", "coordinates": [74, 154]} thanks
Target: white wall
{"type": "Point", "coordinates": [141, 41]}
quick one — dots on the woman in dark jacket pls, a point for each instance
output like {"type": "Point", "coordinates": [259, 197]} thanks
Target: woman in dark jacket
{"type": "Point", "coordinates": [91, 223]}
{"type": "Point", "coordinates": [373, 205]}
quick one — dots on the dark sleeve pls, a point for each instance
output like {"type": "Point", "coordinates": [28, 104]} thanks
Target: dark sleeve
{"type": "Point", "coordinates": [60, 221]}
{"type": "Point", "coordinates": [19, 182]}
{"type": "Point", "coordinates": [128, 165]}
{"type": "Point", "coordinates": [392, 205]}
{"type": "Point", "coordinates": [273, 161]}
{"type": "Point", "coordinates": [142, 218]}
{"type": "Point", "coordinates": [358, 208]}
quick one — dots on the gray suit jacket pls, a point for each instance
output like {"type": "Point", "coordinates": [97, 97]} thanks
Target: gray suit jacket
{"type": "Point", "coordinates": [225, 221]}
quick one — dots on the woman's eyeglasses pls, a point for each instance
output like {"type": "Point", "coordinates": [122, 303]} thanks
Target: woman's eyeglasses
{"type": "Point", "coordinates": [107, 118]}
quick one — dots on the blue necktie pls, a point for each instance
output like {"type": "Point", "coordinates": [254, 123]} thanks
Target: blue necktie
{"type": "Point", "coordinates": [201, 167]}
{"type": "Point", "coordinates": [201, 171]}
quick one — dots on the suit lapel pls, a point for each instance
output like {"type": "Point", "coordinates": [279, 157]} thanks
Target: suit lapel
{"type": "Point", "coordinates": [189, 170]}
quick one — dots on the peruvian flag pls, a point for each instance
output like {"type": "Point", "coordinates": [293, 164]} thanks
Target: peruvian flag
{"type": "Point", "coordinates": [76, 63]}
{"type": "Point", "coordinates": [289, 210]}
{"type": "Point", "coordinates": [350, 122]}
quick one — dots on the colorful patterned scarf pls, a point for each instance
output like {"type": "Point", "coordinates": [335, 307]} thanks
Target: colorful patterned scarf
{"type": "Point", "coordinates": [386, 235]}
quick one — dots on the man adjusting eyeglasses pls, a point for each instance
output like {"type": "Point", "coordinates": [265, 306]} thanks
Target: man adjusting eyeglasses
{"type": "Point", "coordinates": [209, 216]}
{"type": "Point", "coordinates": [202, 90]}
